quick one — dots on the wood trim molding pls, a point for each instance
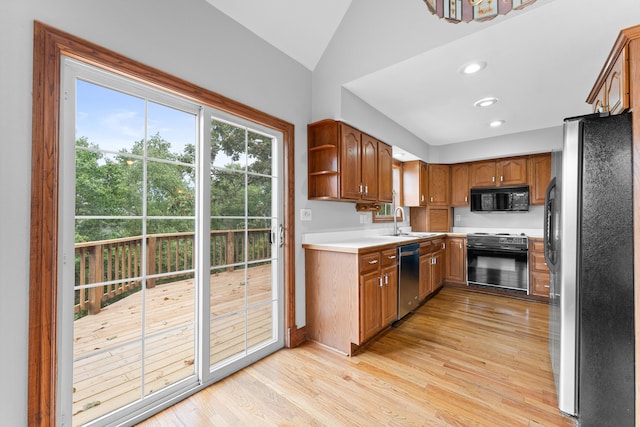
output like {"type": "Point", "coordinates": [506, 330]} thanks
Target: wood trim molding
{"type": "Point", "coordinates": [297, 336]}
{"type": "Point", "coordinates": [49, 45]}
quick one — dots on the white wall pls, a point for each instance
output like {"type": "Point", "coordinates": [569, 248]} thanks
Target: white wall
{"type": "Point", "coordinates": [188, 39]}
{"type": "Point", "coordinates": [535, 141]}
{"type": "Point", "coordinates": [533, 219]}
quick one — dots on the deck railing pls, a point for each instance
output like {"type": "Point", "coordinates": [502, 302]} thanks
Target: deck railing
{"type": "Point", "coordinates": [120, 259]}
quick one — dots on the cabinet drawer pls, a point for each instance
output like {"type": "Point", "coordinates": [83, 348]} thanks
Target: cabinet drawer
{"type": "Point", "coordinates": [369, 262]}
{"type": "Point", "coordinates": [540, 284]}
{"type": "Point", "coordinates": [389, 257]}
{"type": "Point", "coordinates": [426, 248]}
{"type": "Point", "coordinates": [536, 245]}
{"type": "Point", "coordinates": [438, 244]}
{"type": "Point", "coordinates": [538, 263]}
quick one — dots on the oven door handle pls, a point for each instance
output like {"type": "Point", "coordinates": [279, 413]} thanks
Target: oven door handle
{"type": "Point", "coordinates": [498, 250]}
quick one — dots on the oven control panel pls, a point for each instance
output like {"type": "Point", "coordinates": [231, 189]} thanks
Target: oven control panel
{"type": "Point", "coordinates": [511, 240]}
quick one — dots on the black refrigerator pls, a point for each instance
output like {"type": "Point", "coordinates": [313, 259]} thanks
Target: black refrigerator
{"type": "Point", "coordinates": [588, 231]}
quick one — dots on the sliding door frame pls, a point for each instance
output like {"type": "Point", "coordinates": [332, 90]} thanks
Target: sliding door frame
{"type": "Point", "coordinates": [50, 45]}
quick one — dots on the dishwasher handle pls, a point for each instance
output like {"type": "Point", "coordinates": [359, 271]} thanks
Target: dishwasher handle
{"type": "Point", "coordinates": [408, 250]}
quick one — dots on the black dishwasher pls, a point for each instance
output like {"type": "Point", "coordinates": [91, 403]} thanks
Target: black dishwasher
{"type": "Point", "coordinates": [408, 278]}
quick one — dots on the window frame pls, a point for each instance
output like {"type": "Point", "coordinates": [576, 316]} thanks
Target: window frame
{"type": "Point", "coordinates": [50, 45]}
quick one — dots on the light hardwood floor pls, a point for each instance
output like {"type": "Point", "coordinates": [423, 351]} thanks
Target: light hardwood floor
{"type": "Point", "coordinates": [462, 359]}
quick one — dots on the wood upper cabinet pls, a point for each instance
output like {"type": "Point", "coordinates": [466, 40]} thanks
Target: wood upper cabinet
{"type": "Point", "coordinates": [460, 184]}
{"type": "Point", "coordinates": [499, 173]}
{"type": "Point", "coordinates": [482, 174]}
{"type": "Point", "coordinates": [511, 171]}
{"type": "Point", "coordinates": [344, 164]}
{"type": "Point", "coordinates": [350, 162]}
{"type": "Point", "coordinates": [439, 185]}
{"type": "Point", "coordinates": [398, 182]}
{"type": "Point", "coordinates": [539, 169]}
{"type": "Point", "coordinates": [617, 86]}
{"type": "Point", "coordinates": [385, 173]}
{"type": "Point", "coordinates": [323, 152]}
{"type": "Point", "coordinates": [612, 89]}
{"type": "Point", "coordinates": [415, 182]}
{"type": "Point", "coordinates": [456, 271]}
{"type": "Point", "coordinates": [369, 168]}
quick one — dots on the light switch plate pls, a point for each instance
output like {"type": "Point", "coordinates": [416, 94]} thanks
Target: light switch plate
{"type": "Point", "coordinates": [305, 214]}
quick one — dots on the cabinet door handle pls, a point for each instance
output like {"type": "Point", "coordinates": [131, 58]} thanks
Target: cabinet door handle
{"type": "Point", "coordinates": [444, 246]}
{"type": "Point", "coordinates": [422, 198]}
{"type": "Point", "coordinates": [373, 261]}
{"type": "Point", "coordinates": [433, 260]}
{"type": "Point", "coordinates": [460, 245]}
{"type": "Point", "coordinates": [391, 257]}
{"type": "Point", "coordinates": [366, 189]}
{"type": "Point", "coordinates": [493, 179]}
{"type": "Point", "coordinates": [501, 178]}
{"type": "Point", "coordinates": [386, 279]}
{"type": "Point", "coordinates": [360, 191]}
{"type": "Point", "coordinates": [380, 280]}
{"type": "Point", "coordinates": [431, 199]}
{"type": "Point", "coordinates": [466, 199]}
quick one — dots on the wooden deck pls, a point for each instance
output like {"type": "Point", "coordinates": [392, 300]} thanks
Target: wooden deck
{"type": "Point", "coordinates": [463, 359]}
{"type": "Point", "coordinates": [107, 375]}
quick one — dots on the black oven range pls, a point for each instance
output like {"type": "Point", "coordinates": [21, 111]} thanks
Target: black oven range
{"type": "Point", "coordinates": [498, 260]}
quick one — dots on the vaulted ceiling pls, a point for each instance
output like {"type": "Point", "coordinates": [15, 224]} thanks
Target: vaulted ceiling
{"type": "Point", "coordinates": [541, 61]}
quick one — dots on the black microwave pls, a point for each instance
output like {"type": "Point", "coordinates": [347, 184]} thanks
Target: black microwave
{"type": "Point", "coordinates": [500, 199]}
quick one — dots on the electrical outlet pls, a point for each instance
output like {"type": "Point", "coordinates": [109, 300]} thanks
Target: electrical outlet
{"type": "Point", "coordinates": [458, 218]}
{"type": "Point", "coordinates": [305, 214]}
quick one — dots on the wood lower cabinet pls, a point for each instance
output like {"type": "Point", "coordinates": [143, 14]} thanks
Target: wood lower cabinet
{"type": "Point", "coordinates": [370, 296]}
{"type": "Point", "coordinates": [389, 274]}
{"type": "Point", "coordinates": [350, 297]}
{"type": "Point", "coordinates": [539, 169]}
{"type": "Point", "coordinates": [538, 269]}
{"type": "Point", "coordinates": [438, 260]}
{"type": "Point", "coordinates": [456, 260]}
{"type": "Point", "coordinates": [426, 254]}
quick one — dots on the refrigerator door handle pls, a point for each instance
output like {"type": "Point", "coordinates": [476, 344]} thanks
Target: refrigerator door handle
{"type": "Point", "coordinates": [549, 227]}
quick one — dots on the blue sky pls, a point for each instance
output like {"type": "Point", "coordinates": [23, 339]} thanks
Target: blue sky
{"type": "Point", "coordinates": [115, 120]}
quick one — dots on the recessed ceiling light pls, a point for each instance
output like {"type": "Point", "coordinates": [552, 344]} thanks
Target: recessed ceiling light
{"type": "Point", "coordinates": [496, 123]}
{"type": "Point", "coordinates": [472, 67]}
{"type": "Point", "coordinates": [485, 102]}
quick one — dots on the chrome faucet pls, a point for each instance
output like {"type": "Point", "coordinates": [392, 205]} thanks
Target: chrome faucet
{"type": "Point", "coordinates": [395, 213]}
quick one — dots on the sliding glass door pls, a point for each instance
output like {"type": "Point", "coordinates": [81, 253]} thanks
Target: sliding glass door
{"type": "Point", "coordinates": [170, 211]}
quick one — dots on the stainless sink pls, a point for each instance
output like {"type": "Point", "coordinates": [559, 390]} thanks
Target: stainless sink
{"type": "Point", "coordinates": [411, 235]}
{"type": "Point", "coordinates": [418, 234]}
